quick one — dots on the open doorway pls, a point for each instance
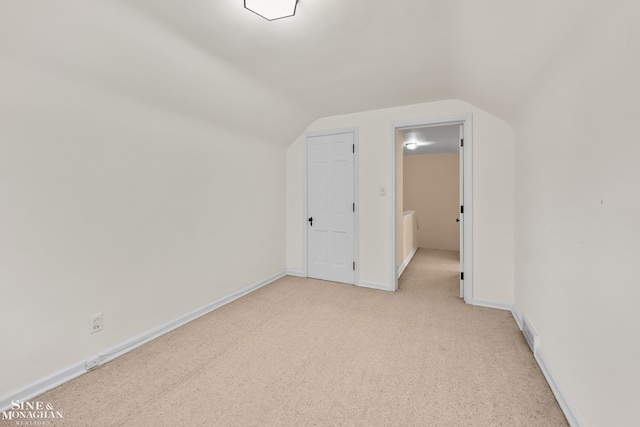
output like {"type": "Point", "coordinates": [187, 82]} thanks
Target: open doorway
{"type": "Point", "coordinates": [432, 170]}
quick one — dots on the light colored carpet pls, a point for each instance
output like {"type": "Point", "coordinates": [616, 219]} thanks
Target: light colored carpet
{"type": "Point", "coordinates": [304, 352]}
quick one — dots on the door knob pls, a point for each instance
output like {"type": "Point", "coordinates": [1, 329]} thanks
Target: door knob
{"type": "Point", "coordinates": [311, 221]}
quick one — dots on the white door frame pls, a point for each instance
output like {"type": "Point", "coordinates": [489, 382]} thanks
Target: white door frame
{"type": "Point", "coordinates": [467, 121]}
{"type": "Point", "coordinates": [356, 196]}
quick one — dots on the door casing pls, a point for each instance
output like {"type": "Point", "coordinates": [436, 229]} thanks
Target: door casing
{"type": "Point", "coordinates": [467, 121]}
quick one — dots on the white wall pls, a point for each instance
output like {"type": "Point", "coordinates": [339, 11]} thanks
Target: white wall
{"type": "Point", "coordinates": [493, 194]}
{"type": "Point", "coordinates": [578, 195]}
{"type": "Point", "coordinates": [111, 203]}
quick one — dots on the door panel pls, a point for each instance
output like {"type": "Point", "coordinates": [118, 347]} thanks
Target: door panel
{"type": "Point", "coordinates": [340, 249]}
{"type": "Point", "coordinates": [339, 191]}
{"type": "Point", "coordinates": [330, 197]}
{"type": "Point", "coordinates": [320, 239]}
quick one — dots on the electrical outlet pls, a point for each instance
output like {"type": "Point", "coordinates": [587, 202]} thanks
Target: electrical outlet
{"type": "Point", "coordinates": [95, 323]}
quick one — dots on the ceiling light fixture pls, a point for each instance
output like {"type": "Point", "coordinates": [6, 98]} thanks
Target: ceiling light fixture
{"type": "Point", "coordinates": [272, 9]}
{"type": "Point", "coordinates": [413, 144]}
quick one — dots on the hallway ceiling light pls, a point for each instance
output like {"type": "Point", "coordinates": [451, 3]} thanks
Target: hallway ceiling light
{"type": "Point", "coordinates": [412, 145]}
{"type": "Point", "coordinates": [272, 9]}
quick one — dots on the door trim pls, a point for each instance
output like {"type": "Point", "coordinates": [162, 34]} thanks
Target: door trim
{"type": "Point", "coordinates": [356, 196]}
{"type": "Point", "coordinates": [467, 121]}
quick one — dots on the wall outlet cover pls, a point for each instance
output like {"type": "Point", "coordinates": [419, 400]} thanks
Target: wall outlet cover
{"type": "Point", "coordinates": [95, 323]}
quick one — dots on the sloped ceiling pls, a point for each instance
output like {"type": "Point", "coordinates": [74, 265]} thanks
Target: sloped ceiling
{"type": "Point", "coordinates": [216, 61]}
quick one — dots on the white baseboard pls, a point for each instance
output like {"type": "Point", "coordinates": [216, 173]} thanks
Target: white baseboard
{"type": "Point", "coordinates": [406, 261]}
{"type": "Point", "coordinates": [491, 304]}
{"type": "Point", "coordinates": [374, 285]}
{"type": "Point", "coordinates": [565, 404]}
{"type": "Point", "coordinates": [293, 272]}
{"type": "Point", "coordinates": [42, 385]}
{"type": "Point", "coordinates": [516, 316]}
{"type": "Point", "coordinates": [57, 378]}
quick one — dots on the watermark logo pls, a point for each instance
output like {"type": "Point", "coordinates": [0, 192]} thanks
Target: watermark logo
{"type": "Point", "coordinates": [31, 413]}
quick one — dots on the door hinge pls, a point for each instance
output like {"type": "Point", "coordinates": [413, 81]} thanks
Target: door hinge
{"type": "Point", "coordinates": [462, 142]}
{"type": "Point", "coordinates": [354, 207]}
{"type": "Point", "coordinates": [461, 275]}
{"type": "Point", "coordinates": [462, 209]}
{"type": "Point", "coordinates": [354, 148]}
{"type": "Point", "coordinates": [354, 266]}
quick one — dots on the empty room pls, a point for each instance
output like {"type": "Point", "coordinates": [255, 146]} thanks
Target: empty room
{"type": "Point", "coordinates": [204, 218]}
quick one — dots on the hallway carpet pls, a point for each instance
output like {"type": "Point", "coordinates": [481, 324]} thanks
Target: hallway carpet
{"type": "Point", "coordinates": [303, 352]}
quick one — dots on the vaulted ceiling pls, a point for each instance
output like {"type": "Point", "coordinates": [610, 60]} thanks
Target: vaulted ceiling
{"type": "Point", "coordinates": [217, 61]}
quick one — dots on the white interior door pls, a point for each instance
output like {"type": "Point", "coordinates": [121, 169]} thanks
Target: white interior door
{"type": "Point", "coordinates": [461, 217]}
{"type": "Point", "coordinates": [330, 207]}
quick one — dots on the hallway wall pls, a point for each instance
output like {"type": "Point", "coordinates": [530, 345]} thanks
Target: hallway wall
{"type": "Point", "coordinates": [432, 188]}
